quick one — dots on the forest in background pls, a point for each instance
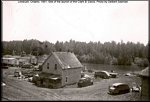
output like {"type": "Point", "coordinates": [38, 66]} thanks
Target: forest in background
{"type": "Point", "coordinates": [93, 52]}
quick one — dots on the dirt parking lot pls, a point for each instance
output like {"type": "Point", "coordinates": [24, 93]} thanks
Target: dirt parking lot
{"type": "Point", "coordinates": [17, 89]}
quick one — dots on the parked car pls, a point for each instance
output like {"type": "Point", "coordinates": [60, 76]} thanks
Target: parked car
{"type": "Point", "coordinates": [85, 81]}
{"type": "Point", "coordinates": [35, 78]}
{"type": "Point", "coordinates": [17, 73]}
{"type": "Point", "coordinates": [28, 73]}
{"type": "Point", "coordinates": [36, 68]}
{"type": "Point", "coordinates": [102, 74]}
{"type": "Point", "coordinates": [113, 75]}
{"type": "Point", "coordinates": [127, 74]}
{"type": "Point", "coordinates": [136, 89]}
{"type": "Point", "coordinates": [27, 66]}
{"type": "Point", "coordinates": [30, 79]}
{"type": "Point", "coordinates": [118, 88]}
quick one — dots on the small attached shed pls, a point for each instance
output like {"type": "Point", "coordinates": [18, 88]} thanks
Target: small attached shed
{"type": "Point", "coordinates": [144, 74]}
{"type": "Point", "coordinates": [50, 80]}
{"type": "Point", "coordinates": [64, 64]}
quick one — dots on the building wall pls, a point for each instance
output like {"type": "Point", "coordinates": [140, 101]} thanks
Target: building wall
{"type": "Point", "coordinates": [49, 84]}
{"type": "Point", "coordinates": [73, 75]}
{"type": "Point", "coordinates": [52, 61]}
{"type": "Point", "coordinates": [145, 88]}
{"type": "Point", "coordinates": [11, 61]}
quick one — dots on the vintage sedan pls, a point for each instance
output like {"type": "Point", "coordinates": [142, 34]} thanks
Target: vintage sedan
{"type": "Point", "coordinates": [102, 74]}
{"type": "Point", "coordinates": [118, 88]}
{"type": "Point", "coordinates": [85, 81]}
{"type": "Point", "coordinates": [113, 75]}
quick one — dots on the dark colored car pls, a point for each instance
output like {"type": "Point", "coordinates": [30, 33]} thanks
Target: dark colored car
{"type": "Point", "coordinates": [119, 88]}
{"type": "Point", "coordinates": [17, 73]}
{"type": "Point", "coordinates": [27, 66]}
{"type": "Point", "coordinates": [113, 75]}
{"type": "Point", "coordinates": [102, 74]}
{"type": "Point", "coordinates": [85, 81]}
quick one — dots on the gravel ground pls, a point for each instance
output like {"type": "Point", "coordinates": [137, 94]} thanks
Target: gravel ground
{"type": "Point", "coordinates": [17, 89]}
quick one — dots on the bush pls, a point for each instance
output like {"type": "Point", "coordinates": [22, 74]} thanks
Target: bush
{"type": "Point", "coordinates": [141, 62]}
{"type": "Point", "coordinates": [114, 61]}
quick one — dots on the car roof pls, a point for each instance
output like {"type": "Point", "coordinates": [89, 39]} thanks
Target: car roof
{"type": "Point", "coordinates": [105, 72]}
{"type": "Point", "coordinates": [116, 84]}
{"type": "Point", "coordinates": [83, 78]}
{"type": "Point", "coordinates": [113, 73]}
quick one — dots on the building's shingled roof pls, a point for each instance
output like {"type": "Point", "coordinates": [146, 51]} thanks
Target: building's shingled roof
{"type": "Point", "coordinates": [67, 60]}
{"type": "Point", "coordinates": [145, 72]}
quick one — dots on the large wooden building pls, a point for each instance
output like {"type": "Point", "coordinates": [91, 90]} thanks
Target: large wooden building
{"type": "Point", "coordinates": [64, 64]}
{"type": "Point", "coordinates": [145, 84]}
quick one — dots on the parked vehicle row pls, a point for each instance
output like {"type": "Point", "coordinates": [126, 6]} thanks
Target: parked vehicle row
{"type": "Point", "coordinates": [105, 74]}
{"type": "Point", "coordinates": [114, 89]}
{"type": "Point", "coordinates": [86, 80]}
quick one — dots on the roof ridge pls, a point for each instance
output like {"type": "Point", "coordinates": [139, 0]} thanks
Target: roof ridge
{"type": "Point", "coordinates": [58, 59]}
{"type": "Point", "coordinates": [47, 59]}
{"type": "Point", "coordinates": [66, 60]}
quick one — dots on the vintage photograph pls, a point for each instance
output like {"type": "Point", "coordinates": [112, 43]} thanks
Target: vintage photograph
{"type": "Point", "coordinates": [75, 50]}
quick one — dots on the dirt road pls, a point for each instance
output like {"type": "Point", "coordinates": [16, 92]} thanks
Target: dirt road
{"type": "Point", "coordinates": [17, 89]}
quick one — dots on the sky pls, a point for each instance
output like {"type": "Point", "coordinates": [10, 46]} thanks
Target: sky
{"type": "Point", "coordinates": [85, 22]}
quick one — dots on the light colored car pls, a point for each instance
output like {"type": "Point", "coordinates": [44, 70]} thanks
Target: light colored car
{"type": "Point", "coordinates": [118, 88]}
{"type": "Point", "coordinates": [30, 79]}
{"type": "Point", "coordinates": [128, 74]}
{"type": "Point", "coordinates": [136, 89]}
{"type": "Point", "coordinates": [102, 74]}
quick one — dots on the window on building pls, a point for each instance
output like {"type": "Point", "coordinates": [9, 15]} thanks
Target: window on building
{"type": "Point", "coordinates": [55, 66]}
{"type": "Point", "coordinates": [47, 65]}
{"type": "Point", "coordinates": [66, 78]}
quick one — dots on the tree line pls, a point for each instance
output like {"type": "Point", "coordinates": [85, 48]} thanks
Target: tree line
{"type": "Point", "coordinates": [93, 52]}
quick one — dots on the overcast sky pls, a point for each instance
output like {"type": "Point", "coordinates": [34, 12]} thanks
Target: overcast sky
{"type": "Point", "coordinates": [86, 22]}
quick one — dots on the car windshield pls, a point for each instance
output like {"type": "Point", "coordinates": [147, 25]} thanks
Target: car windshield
{"type": "Point", "coordinates": [114, 86]}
